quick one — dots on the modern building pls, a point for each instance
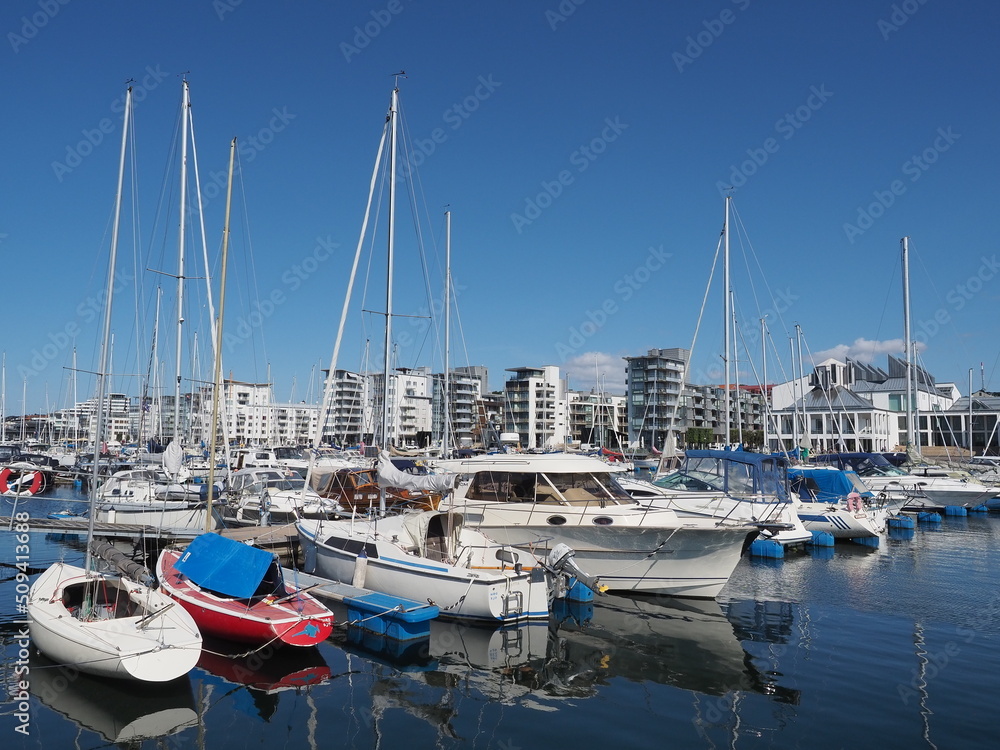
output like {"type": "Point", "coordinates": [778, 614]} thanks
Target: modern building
{"type": "Point", "coordinates": [855, 406]}
{"type": "Point", "coordinates": [597, 419]}
{"type": "Point", "coordinates": [535, 406]}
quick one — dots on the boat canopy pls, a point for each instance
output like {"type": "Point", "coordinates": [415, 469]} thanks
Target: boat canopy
{"type": "Point", "coordinates": [224, 565]}
{"type": "Point", "coordinates": [825, 484]}
{"type": "Point", "coordinates": [865, 464]}
{"type": "Point", "coordinates": [390, 476]}
{"type": "Point", "coordinates": [738, 472]}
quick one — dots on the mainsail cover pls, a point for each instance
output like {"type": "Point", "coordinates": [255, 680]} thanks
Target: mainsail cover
{"type": "Point", "coordinates": [173, 458]}
{"type": "Point", "coordinates": [390, 476]}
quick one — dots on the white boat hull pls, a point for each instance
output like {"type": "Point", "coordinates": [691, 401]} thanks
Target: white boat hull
{"type": "Point", "coordinates": [676, 557]}
{"type": "Point", "coordinates": [841, 523]}
{"type": "Point", "coordinates": [166, 648]}
{"type": "Point", "coordinates": [164, 514]}
{"type": "Point", "coordinates": [472, 593]}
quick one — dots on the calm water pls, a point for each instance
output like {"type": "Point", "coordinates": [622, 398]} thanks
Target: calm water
{"type": "Point", "coordinates": [898, 646]}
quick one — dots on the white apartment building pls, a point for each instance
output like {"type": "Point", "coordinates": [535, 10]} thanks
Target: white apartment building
{"type": "Point", "coordinates": [853, 406]}
{"type": "Point", "coordinates": [535, 406]}
{"type": "Point", "coordinates": [598, 419]}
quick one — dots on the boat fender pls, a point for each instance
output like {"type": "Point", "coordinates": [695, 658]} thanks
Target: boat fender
{"type": "Point", "coordinates": [360, 570]}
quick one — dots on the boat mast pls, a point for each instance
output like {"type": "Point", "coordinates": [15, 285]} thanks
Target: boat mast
{"type": "Point", "coordinates": [971, 451]}
{"type": "Point", "coordinates": [907, 346]}
{"type": "Point", "coordinates": [217, 378]}
{"type": "Point", "coordinates": [763, 388]}
{"type": "Point", "coordinates": [391, 227]}
{"type": "Point", "coordinates": [445, 433]}
{"type": "Point", "coordinates": [802, 389]}
{"type": "Point", "coordinates": [725, 317]}
{"type": "Point", "coordinates": [102, 372]}
{"type": "Point", "coordinates": [736, 372]}
{"type": "Point", "coordinates": [185, 108]}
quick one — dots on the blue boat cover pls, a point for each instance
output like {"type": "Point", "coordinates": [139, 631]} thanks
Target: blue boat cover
{"type": "Point", "coordinates": [823, 484]}
{"type": "Point", "coordinates": [224, 565]}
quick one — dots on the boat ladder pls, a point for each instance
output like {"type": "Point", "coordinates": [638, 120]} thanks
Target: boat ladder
{"type": "Point", "coordinates": [513, 604]}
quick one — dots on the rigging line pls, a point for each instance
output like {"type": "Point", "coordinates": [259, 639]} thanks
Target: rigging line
{"type": "Point", "coordinates": [743, 237]}
{"type": "Point", "coordinates": [694, 338]}
{"type": "Point", "coordinates": [741, 234]}
{"type": "Point", "coordinates": [942, 304]}
{"type": "Point", "coordinates": [833, 414]}
{"type": "Point", "coordinates": [412, 178]}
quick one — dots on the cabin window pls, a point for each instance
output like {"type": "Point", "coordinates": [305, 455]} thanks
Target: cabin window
{"type": "Point", "coordinates": [502, 486]}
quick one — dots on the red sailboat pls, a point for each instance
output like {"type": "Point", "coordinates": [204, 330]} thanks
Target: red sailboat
{"type": "Point", "coordinates": [237, 592]}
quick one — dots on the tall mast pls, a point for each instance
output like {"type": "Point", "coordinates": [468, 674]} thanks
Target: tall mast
{"type": "Point", "coordinates": [445, 433]}
{"type": "Point", "coordinates": [185, 108]}
{"type": "Point", "coordinates": [102, 371]}
{"type": "Point", "coordinates": [391, 226]}
{"type": "Point", "coordinates": [907, 345]}
{"type": "Point", "coordinates": [763, 386]}
{"type": "Point", "coordinates": [802, 387]}
{"type": "Point", "coordinates": [736, 373]}
{"type": "Point", "coordinates": [971, 452]}
{"type": "Point", "coordinates": [725, 317]}
{"type": "Point", "coordinates": [217, 376]}
{"type": "Point", "coordinates": [796, 387]}
{"type": "Point", "coordinates": [76, 408]}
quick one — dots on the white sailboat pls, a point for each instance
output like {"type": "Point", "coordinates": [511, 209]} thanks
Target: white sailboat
{"type": "Point", "coordinates": [426, 555]}
{"type": "Point", "coordinates": [107, 623]}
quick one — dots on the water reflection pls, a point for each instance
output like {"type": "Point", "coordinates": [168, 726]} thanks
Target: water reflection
{"type": "Point", "coordinates": [119, 711]}
{"type": "Point", "coordinates": [688, 644]}
{"type": "Point", "coordinates": [264, 673]}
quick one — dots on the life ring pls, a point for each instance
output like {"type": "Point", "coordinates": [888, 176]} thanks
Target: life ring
{"type": "Point", "coordinates": [37, 481]}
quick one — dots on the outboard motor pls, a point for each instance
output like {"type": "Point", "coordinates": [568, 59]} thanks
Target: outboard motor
{"type": "Point", "coordinates": [560, 561]}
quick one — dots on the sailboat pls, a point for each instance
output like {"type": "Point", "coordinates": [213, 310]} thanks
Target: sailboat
{"type": "Point", "coordinates": [232, 590]}
{"type": "Point", "coordinates": [428, 554]}
{"type": "Point", "coordinates": [154, 496]}
{"type": "Point", "coordinates": [108, 623]}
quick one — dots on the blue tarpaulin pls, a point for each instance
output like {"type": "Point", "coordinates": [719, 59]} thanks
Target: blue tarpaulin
{"type": "Point", "coordinates": [224, 565]}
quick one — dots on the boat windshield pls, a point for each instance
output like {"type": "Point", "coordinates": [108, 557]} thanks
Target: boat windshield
{"type": "Point", "coordinates": [868, 466]}
{"type": "Point", "coordinates": [510, 486]}
{"type": "Point", "coordinates": [286, 483]}
{"type": "Point", "coordinates": [715, 473]}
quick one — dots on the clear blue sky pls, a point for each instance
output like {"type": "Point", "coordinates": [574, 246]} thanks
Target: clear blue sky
{"type": "Point", "coordinates": [580, 146]}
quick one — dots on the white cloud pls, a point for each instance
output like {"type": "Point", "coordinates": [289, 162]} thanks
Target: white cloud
{"type": "Point", "coordinates": [584, 369]}
{"type": "Point", "coordinates": [864, 350]}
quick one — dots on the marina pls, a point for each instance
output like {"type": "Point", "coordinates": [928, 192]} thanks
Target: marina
{"type": "Point", "coordinates": [819, 648]}
{"type": "Point", "coordinates": [500, 377]}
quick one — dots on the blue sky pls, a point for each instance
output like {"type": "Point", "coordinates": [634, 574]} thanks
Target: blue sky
{"type": "Point", "coordinates": [583, 149]}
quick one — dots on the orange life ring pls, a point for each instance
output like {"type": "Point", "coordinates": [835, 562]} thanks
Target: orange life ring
{"type": "Point", "coordinates": [37, 482]}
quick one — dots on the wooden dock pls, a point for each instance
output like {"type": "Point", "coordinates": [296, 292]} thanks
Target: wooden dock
{"type": "Point", "coordinates": [80, 525]}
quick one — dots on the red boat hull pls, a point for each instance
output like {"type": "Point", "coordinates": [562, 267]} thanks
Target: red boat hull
{"type": "Point", "coordinates": [299, 621]}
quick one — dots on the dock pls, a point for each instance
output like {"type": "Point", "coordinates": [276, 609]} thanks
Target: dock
{"type": "Point", "coordinates": [120, 530]}
{"type": "Point", "coordinates": [390, 616]}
